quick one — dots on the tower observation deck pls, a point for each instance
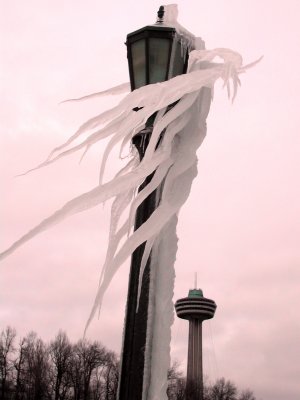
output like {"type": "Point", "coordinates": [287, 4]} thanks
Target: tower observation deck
{"type": "Point", "coordinates": [195, 308]}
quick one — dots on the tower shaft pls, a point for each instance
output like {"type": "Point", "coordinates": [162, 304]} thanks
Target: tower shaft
{"type": "Point", "coordinates": [195, 308]}
{"type": "Point", "coordinates": [194, 384]}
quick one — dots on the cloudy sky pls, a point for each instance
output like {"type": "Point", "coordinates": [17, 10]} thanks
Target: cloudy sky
{"type": "Point", "coordinates": [240, 227]}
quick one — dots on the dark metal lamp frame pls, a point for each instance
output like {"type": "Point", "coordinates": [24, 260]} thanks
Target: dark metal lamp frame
{"type": "Point", "coordinates": [155, 31]}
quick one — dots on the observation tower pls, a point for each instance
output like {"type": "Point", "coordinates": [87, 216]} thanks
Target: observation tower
{"type": "Point", "coordinates": [195, 308]}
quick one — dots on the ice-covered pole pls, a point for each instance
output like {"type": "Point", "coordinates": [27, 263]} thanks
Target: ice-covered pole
{"type": "Point", "coordinates": [156, 53]}
{"type": "Point", "coordinates": [132, 378]}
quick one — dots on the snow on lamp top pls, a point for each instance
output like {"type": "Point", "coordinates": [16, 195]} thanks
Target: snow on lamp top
{"type": "Point", "coordinates": [167, 15]}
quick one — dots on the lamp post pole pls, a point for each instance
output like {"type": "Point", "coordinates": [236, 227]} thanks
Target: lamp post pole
{"type": "Point", "coordinates": [132, 382]}
{"type": "Point", "coordinates": [155, 54]}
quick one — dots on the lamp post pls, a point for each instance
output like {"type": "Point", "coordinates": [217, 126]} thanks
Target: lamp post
{"type": "Point", "coordinates": [155, 53]}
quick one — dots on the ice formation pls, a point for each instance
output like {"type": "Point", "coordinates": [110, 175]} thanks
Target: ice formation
{"type": "Point", "coordinates": [173, 162]}
{"type": "Point", "coordinates": [188, 40]}
{"type": "Point", "coordinates": [170, 161]}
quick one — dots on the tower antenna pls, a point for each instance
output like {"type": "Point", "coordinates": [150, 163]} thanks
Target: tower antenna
{"type": "Point", "coordinates": [195, 281]}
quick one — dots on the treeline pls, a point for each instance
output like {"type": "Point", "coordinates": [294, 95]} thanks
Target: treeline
{"type": "Point", "coordinates": [30, 369]}
{"type": "Point", "coordinates": [60, 370]}
{"type": "Point", "coordinates": [220, 390]}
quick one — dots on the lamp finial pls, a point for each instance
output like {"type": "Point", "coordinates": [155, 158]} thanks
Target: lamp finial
{"type": "Point", "coordinates": [160, 14]}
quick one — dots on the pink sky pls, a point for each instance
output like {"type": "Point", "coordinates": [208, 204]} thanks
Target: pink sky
{"type": "Point", "coordinates": [240, 227]}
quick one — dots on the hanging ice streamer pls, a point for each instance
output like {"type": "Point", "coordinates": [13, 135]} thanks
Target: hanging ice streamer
{"type": "Point", "coordinates": [174, 158]}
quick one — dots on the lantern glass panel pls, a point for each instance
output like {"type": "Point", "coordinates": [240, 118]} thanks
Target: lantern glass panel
{"type": "Point", "coordinates": [159, 51]}
{"type": "Point", "coordinates": [138, 51]}
{"type": "Point", "coordinates": [179, 60]}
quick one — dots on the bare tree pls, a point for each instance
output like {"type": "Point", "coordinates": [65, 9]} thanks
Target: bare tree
{"type": "Point", "coordinates": [86, 358]}
{"type": "Point", "coordinates": [206, 388]}
{"type": "Point", "coordinates": [96, 385]}
{"type": "Point", "coordinates": [247, 395]}
{"type": "Point", "coordinates": [20, 368]}
{"type": "Point", "coordinates": [60, 351]}
{"type": "Point", "coordinates": [223, 390]}
{"type": "Point", "coordinates": [111, 376]}
{"type": "Point", "coordinates": [76, 374]}
{"type": "Point", "coordinates": [176, 382]}
{"type": "Point", "coordinates": [36, 374]}
{"type": "Point", "coordinates": [7, 339]}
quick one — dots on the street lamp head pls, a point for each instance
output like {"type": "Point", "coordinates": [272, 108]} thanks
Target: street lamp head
{"type": "Point", "coordinates": [156, 53]}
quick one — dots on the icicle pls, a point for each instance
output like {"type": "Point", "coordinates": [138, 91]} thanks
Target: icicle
{"type": "Point", "coordinates": [157, 179]}
{"type": "Point", "coordinates": [90, 199]}
{"type": "Point", "coordinates": [146, 254]}
{"type": "Point", "coordinates": [162, 286]}
{"type": "Point", "coordinates": [119, 205]}
{"type": "Point", "coordinates": [91, 124]}
{"type": "Point", "coordinates": [120, 89]}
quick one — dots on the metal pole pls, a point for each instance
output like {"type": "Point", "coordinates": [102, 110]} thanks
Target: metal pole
{"type": "Point", "coordinates": [132, 380]}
